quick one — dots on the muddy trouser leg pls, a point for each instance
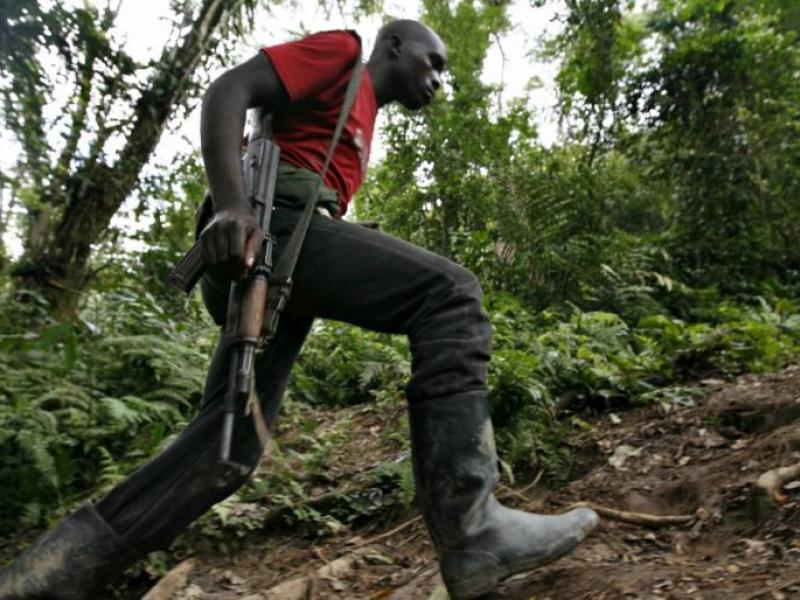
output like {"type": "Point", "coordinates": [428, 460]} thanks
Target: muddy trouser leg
{"type": "Point", "coordinates": [94, 545]}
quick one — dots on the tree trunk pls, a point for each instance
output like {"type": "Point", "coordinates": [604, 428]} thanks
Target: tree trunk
{"type": "Point", "coordinates": [60, 271]}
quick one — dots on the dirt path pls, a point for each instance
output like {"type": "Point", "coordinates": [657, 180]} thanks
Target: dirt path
{"type": "Point", "coordinates": [702, 461]}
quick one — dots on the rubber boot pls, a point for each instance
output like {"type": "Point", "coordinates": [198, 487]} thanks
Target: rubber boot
{"type": "Point", "coordinates": [479, 541]}
{"type": "Point", "coordinates": [73, 561]}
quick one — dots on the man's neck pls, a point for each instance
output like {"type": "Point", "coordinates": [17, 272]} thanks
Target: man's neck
{"type": "Point", "coordinates": [379, 76]}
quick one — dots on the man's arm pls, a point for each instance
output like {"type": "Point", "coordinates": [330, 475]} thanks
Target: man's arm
{"type": "Point", "coordinates": [231, 239]}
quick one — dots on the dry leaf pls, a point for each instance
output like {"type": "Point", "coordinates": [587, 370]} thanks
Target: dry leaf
{"type": "Point", "coordinates": [621, 454]}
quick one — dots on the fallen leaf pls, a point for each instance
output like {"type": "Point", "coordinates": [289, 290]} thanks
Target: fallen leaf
{"type": "Point", "coordinates": [294, 589]}
{"type": "Point", "coordinates": [605, 446]}
{"type": "Point", "coordinates": [193, 591]}
{"type": "Point", "coordinates": [664, 584]}
{"type": "Point", "coordinates": [713, 440]}
{"type": "Point", "coordinates": [755, 547]}
{"type": "Point", "coordinates": [232, 578]}
{"type": "Point", "coordinates": [621, 454]}
{"type": "Point", "coordinates": [172, 583]}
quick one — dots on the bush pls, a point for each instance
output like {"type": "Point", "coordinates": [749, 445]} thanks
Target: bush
{"type": "Point", "coordinates": [82, 403]}
{"type": "Point", "coordinates": [341, 365]}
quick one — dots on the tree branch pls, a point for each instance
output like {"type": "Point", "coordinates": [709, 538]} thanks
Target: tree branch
{"type": "Point", "coordinates": [78, 122]}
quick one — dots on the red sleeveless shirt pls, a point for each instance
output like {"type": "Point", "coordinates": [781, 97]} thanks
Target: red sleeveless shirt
{"type": "Point", "coordinates": [315, 71]}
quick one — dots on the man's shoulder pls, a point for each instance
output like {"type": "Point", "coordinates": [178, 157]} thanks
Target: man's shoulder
{"type": "Point", "coordinates": [346, 41]}
{"type": "Point", "coordinates": [310, 65]}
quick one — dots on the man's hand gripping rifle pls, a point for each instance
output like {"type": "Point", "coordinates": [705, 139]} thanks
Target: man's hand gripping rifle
{"type": "Point", "coordinates": [248, 297]}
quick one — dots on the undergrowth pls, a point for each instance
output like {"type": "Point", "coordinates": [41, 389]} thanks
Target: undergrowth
{"type": "Point", "coordinates": [546, 369]}
{"type": "Point", "coordinates": [83, 403]}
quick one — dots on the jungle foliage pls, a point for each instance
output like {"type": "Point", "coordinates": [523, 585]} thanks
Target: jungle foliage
{"type": "Point", "coordinates": [653, 246]}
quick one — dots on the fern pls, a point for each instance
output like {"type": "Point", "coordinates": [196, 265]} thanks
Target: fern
{"type": "Point", "coordinates": [78, 410]}
{"type": "Point", "coordinates": [119, 413]}
{"type": "Point", "coordinates": [224, 509]}
{"type": "Point", "coordinates": [36, 449]}
{"type": "Point", "coordinates": [31, 514]}
{"type": "Point", "coordinates": [110, 471]}
{"type": "Point", "coordinates": [407, 484]}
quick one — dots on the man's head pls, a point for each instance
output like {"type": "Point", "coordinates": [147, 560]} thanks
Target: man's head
{"type": "Point", "coordinates": [407, 63]}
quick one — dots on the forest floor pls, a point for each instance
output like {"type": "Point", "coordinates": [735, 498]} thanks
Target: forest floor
{"type": "Point", "coordinates": [702, 462]}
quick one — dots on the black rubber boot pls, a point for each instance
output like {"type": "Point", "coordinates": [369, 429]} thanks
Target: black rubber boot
{"type": "Point", "coordinates": [73, 561]}
{"type": "Point", "coordinates": [479, 541]}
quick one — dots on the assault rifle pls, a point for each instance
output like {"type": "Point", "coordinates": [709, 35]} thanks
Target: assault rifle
{"type": "Point", "coordinates": [248, 297]}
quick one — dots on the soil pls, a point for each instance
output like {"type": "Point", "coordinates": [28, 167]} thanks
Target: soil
{"type": "Point", "coordinates": [701, 461]}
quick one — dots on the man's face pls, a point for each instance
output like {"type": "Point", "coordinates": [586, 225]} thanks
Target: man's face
{"type": "Point", "coordinates": [419, 70]}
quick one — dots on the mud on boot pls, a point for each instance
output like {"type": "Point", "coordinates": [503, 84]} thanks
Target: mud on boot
{"type": "Point", "coordinates": [73, 561]}
{"type": "Point", "coordinates": [479, 541]}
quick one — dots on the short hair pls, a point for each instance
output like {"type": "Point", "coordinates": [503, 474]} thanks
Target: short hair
{"type": "Point", "coordinates": [403, 28]}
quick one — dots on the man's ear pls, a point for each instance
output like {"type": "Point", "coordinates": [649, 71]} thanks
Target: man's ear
{"type": "Point", "coordinates": [395, 46]}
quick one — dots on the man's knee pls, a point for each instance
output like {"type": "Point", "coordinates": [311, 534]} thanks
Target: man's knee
{"type": "Point", "coordinates": [465, 283]}
{"type": "Point", "coordinates": [460, 289]}
{"type": "Point", "coordinates": [453, 308]}
{"type": "Point", "coordinates": [451, 343]}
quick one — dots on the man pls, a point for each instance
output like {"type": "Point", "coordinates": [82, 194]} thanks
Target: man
{"type": "Point", "coordinates": [345, 272]}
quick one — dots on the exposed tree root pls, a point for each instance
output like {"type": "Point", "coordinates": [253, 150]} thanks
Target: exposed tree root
{"type": "Point", "coordinates": [389, 533]}
{"type": "Point", "coordinates": [632, 518]}
{"type": "Point", "coordinates": [772, 481]}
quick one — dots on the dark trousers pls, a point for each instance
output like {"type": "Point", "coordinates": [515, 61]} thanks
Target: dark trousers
{"type": "Point", "coordinates": [347, 273]}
